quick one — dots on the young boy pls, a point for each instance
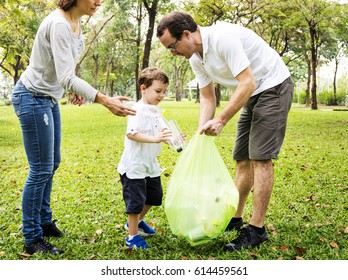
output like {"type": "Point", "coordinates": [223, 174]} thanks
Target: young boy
{"type": "Point", "coordinates": [138, 167]}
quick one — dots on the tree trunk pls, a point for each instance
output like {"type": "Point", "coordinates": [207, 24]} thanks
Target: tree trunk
{"type": "Point", "coordinates": [177, 87]}
{"type": "Point", "coordinates": [314, 89]}
{"type": "Point", "coordinates": [152, 11]}
{"type": "Point", "coordinates": [112, 88]}
{"type": "Point", "coordinates": [96, 70]}
{"type": "Point", "coordinates": [198, 94]}
{"type": "Point", "coordinates": [106, 86]}
{"type": "Point", "coordinates": [308, 88]}
{"type": "Point", "coordinates": [112, 83]}
{"type": "Point", "coordinates": [314, 59]}
{"type": "Point", "coordinates": [137, 58]}
{"type": "Point", "coordinates": [334, 81]}
{"type": "Point", "coordinates": [218, 94]}
{"type": "Point", "coordinates": [17, 67]}
{"type": "Point", "coordinates": [94, 39]}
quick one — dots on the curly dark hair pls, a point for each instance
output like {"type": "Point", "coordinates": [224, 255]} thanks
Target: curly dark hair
{"type": "Point", "coordinates": [176, 23]}
{"type": "Point", "coordinates": [66, 5]}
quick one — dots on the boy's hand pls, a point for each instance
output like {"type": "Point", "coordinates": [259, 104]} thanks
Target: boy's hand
{"type": "Point", "coordinates": [164, 136]}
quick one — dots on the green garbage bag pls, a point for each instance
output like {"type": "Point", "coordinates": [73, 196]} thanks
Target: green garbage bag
{"type": "Point", "coordinates": [201, 196]}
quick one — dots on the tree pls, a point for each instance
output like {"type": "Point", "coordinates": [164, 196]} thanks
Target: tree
{"type": "Point", "coordinates": [139, 18]}
{"type": "Point", "coordinates": [279, 24]}
{"type": "Point", "coordinates": [151, 7]}
{"type": "Point", "coordinates": [135, 10]}
{"type": "Point", "coordinates": [110, 50]}
{"type": "Point", "coordinates": [339, 50]}
{"type": "Point", "coordinates": [92, 41]}
{"type": "Point", "coordinates": [19, 21]}
{"type": "Point", "coordinates": [317, 14]}
{"type": "Point", "coordinates": [135, 13]}
{"type": "Point", "coordinates": [305, 33]}
{"type": "Point", "coordinates": [176, 67]}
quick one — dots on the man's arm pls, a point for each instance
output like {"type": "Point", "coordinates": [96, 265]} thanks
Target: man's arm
{"type": "Point", "coordinates": [245, 88]}
{"type": "Point", "coordinates": [207, 104]}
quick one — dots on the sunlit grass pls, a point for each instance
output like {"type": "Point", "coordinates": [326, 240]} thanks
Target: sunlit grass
{"type": "Point", "coordinates": [307, 217]}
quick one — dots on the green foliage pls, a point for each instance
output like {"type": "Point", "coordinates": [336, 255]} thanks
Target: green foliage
{"type": "Point", "coordinates": [19, 21]}
{"type": "Point", "coordinates": [327, 98]}
{"type": "Point", "coordinates": [307, 216]}
{"type": "Point", "coordinates": [113, 55]}
{"type": "Point", "coordinates": [207, 12]}
{"type": "Point", "coordinates": [300, 97]}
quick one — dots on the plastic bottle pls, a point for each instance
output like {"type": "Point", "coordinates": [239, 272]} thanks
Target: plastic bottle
{"type": "Point", "coordinates": [177, 141]}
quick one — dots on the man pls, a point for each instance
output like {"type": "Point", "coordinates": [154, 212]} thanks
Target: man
{"type": "Point", "coordinates": [235, 56]}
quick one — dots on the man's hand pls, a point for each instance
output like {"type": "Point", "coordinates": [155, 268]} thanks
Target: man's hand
{"type": "Point", "coordinates": [212, 127]}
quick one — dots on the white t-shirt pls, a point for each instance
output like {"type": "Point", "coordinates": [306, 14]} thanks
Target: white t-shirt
{"type": "Point", "coordinates": [139, 160]}
{"type": "Point", "coordinates": [228, 49]}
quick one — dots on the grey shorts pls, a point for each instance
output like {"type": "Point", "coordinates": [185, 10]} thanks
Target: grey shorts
{"type": "Point", "coordinates": [262, 123]}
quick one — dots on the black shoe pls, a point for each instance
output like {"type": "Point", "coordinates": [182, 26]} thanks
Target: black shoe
{"type": "Point", "coordinates": [51, 230]}
{"type": "Point", "coordinates": [234, 225]}
{"type": "Point", "coordinates": [248, 237]}
{"type": "Point", "coordinates": [43, 247]}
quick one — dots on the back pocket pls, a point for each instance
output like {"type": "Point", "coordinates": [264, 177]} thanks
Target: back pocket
{"type": "Point", "coordinates": [16, 102]}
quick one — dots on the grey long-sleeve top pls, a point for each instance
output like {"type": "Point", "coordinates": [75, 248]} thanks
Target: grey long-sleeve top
{"type": "Point", "coordinates": [53, 59]}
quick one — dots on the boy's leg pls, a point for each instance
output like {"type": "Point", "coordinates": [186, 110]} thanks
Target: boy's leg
{"type": "Point", "coordinates": [134, 195]}
{"type": "Point", "coordinates": [154, 194]}
{"type": "Point", "coordinates": [144, 211]}
{"type": "Point", "coordinates": [134, 240]}
{"type": "Point", "coordinates": [133, 220]}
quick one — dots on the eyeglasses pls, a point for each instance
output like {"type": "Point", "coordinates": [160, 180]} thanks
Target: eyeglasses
{"type": "Point", "coordinates": [172, 48]}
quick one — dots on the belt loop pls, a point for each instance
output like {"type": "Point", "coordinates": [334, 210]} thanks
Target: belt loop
{"type": "Point", "coordinates": [45, 96]}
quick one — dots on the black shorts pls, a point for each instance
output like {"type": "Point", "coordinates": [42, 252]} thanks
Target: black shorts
{"type": "Point", "coordinates": [262, 123]}
{"type": "Point", "coordinates": [140, 192]}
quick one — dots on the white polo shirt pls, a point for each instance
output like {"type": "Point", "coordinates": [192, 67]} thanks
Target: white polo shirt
{"type": "Point", "coordinates": [139, 160]}
{"type": "Point", "coordinates": [228, 49]}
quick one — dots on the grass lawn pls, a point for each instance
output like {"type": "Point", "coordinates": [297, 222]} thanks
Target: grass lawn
{"type": "Point", "coordinates": [307, 216]}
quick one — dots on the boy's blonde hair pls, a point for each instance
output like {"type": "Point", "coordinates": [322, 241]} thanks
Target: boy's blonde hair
{"type": "Point", "coordinates": [150, 74]}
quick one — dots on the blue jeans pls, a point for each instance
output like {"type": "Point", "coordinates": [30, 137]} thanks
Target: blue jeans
{"type": "Point", "coordinates": [39, 117]}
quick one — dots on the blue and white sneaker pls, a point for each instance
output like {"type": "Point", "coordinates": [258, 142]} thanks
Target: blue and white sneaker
{"type": "Point", "coordinates": [143, 228]}
{"type": "Point", "coordinates": [136, 243]}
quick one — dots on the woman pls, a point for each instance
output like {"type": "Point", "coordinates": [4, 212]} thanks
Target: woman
{"type": "Point", "coordinates": [57, 47]}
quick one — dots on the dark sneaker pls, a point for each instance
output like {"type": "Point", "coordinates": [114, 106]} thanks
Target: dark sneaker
{"type": "Point", "coordinates": [143, 228]}
{"type": "Point", "coordinates": [234, 225]}
{"type": "Point", "coordinates": [136, 243]}
{"type": "Point", "coordinates": [43, 247]}
{"type": "Point", "coordinates": [248, 237]}
{"type": "Point", "coordinates": [51, 230]}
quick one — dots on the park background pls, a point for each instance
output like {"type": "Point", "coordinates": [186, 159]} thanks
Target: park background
{"type": "Point", "coordinates": [307, 217]}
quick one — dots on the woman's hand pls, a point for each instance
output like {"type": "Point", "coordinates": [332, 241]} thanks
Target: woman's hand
{"type": "Point", "coordinates": [76, 99]}
{"type": "Point", "coordinates": [115, 105]}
